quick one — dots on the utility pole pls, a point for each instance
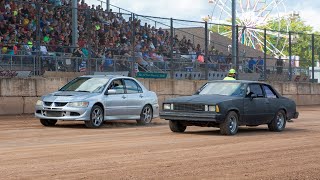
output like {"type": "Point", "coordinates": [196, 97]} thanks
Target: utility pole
{"type": "Point", "coordinates": [74, 23]}
{"type": "Point", "coordinates": [108, 5]}
{"type": "Point", "coordinates": [234, 38]}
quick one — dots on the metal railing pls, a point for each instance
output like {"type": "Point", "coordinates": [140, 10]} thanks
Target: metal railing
{"type": "Point", "coordinates": [173, 39]}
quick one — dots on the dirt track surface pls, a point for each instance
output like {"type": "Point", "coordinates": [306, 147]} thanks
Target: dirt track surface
{"type": "Point", "coordinates": [124, 150]}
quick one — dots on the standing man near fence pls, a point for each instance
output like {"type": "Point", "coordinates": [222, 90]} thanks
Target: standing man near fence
{"type": "Point", "coordinates": [231, 75]}
{"type": "Point", "coordinates": [279, 65]}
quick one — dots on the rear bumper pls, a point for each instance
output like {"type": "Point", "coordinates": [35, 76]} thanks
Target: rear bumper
{"type": "Point", "coordinates": [187, 116]}
{"type": "Point", "coordinates": [155, 110]}
{"type": "Point", "coordinates": [296, 115]}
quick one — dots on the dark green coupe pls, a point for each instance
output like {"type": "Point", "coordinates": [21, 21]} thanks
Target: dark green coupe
{"type": "Point", "coordinates": [228, 105]}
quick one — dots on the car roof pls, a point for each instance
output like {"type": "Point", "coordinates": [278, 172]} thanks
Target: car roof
{"type": "Point", "coordinates": [240, 81]}
{"type": "Point", "coordinates": [105, 76]}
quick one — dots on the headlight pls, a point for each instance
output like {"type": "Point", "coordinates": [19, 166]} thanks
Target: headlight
{"type": "Point", "coordinates": [39, 103]}
{"type": "Point", "coordinates": [210, 108]}
{"type": "Point", "coordinates": [167, 106]}
{"type": "Point", "coordinates": [78, 104]}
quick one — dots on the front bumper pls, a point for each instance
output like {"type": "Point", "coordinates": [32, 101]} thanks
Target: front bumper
{"type": "Point", "coordinates": [293, 115]}
{"type": "Point", "coordinates": [64, 113]}
{"type": "Point", "coordinates": [191, 116]}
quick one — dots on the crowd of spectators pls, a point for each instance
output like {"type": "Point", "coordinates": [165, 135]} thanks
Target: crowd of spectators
{"type": "Point", "coordinates": [102, 34]}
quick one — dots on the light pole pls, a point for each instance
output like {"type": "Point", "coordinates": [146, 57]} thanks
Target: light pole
{"type": "Point", "coordinates": [74, 23]}
{"type": "Point", "coordinates": [234, 38]}
{"type": "Point", "coordinates": [108, 5]}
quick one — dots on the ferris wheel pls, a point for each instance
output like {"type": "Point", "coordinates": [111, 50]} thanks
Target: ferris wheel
{"type": "Point", "coordinates": [252, 17]}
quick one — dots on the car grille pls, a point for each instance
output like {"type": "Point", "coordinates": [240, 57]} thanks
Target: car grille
{"type": "Point", "coordinates": [188, 107]}
{"type": "Point", "coordinates": [60, 104]}
{"type": "Point", "coordinates": [47, 103]}
{"type": "Point", "coordinates": [53, 114]}
{"type": "Point", "coordinates": [56, 104]}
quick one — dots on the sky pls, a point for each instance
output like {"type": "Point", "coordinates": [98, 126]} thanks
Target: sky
{"type": "Point", "coordinates": [189, 10]}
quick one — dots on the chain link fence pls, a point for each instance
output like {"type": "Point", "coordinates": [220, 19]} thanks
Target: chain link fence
{"type": "Point", "coordinates": [38, 37]}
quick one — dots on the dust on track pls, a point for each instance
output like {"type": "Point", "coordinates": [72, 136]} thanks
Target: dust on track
{"type": "Point", "coordinates": [125, 150]}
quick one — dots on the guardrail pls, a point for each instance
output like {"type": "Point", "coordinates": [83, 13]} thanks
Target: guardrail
{"type": "Point", "coordinates": [178, 68]}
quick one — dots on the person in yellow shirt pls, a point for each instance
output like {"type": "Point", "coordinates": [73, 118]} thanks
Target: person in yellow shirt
{"type": "Point", "coordinates": [231, 75]}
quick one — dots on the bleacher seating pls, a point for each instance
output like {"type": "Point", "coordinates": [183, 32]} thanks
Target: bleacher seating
{"type": "Point", "coordinates": [105, 38]}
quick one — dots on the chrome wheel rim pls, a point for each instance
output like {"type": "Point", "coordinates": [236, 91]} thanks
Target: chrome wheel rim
{"type": "Point", "coordinates": [280, 120]}
{"type": "Point", "coordinates": [147, 114]}
{"type": "Point", "coordinates": [232, 123]}
{"type": "Point", "coordinates": [97, 116]}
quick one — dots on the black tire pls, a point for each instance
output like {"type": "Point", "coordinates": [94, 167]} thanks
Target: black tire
{"type": "Point", "coordinates": [230, 124]}
{"type": "Point", "coordinates": [48, 122]}
{"type": "Point", "coordinates": [146, 115]}
{"type": "Point", "coordinates": [96, 117]}
{"type": "Point", "coordinates": [278, 123]}
{"type": "Point", "coordinates": [177, 127]}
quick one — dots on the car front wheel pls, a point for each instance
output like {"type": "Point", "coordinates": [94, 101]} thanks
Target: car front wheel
{"type": "Point", "coordinates": [279, 122]}
{"type": "Point", "coordinates": [48, 122]}
{"type": "Point", "coordinates": [96, 117]}
{"type": "Point", "coordinates": [146, 115]}
{"type": "Point", "coordinates": [176, 126]}
{"type": "Point", "coordinates": [230, 125]}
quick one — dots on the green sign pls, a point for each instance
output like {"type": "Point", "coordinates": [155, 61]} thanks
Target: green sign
{"type": "Point", "coordinates": [151, 75]}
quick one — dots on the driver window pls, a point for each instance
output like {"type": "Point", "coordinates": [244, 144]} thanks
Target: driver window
{"type": "Point", "coordinates": [117, 85]}
{"type": "Point", "coordinates": [255, 89]}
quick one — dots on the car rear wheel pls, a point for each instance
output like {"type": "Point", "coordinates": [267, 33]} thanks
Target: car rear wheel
{"type": "Point", "coordinates": [48, 122]}
{"type": "Point", "coordinates": [279, 122]}
{"type": "Point", "coordinates": [146, 115]}
{"type": "Point", "coordinates": [230, 125]}
{"type": "Point", "coordinates": [96, 117]}
{"type": "Point", "coordinates": [176, 126]}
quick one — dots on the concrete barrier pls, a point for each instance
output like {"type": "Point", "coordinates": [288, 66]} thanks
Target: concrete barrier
{"type": "Point", "coordinates": [65, 74]}
{"type": "Point", "coordinates": [17, 87]}
{"type": "Point", "coordinates": [278, 86]}
{"type": "Point", "coordinates": [161, 86]}
{"type": "Point", "coordinates": [28, 104]}
{"type": "Point", "coordinates": [289, 88]}
{"type": "Point", "coordinates": [18, 96]}
{"type": "Point", "coordinates": [304, 88]}
{"type": "Point", "coordinates": [11, 105]}
{"type": "Point", "coordinates": [182, 87]}
{"type": "Point", "coordinates": [315, 89]}
{"type": "Point", "coordinates": [47, 85]}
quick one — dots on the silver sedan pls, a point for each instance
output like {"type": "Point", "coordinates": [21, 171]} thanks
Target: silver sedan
{"type": "Point", "coordinates": [97, 98]}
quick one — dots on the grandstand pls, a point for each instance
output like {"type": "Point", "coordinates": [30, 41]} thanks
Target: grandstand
{"type": "Point", "coordinates": [38, 37]}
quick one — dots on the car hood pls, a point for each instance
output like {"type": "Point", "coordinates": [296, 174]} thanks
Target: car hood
{"type": "Point", "coordinates": [68, 96]}
{"type": "Point", "coordinates": [201, 99]}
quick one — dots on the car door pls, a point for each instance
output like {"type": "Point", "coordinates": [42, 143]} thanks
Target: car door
{"type": "Point", "coordinates": [255, 109]}
{"type": "Point", "coordinates": [273, 100]}
{"type": "Point", "coordinates": [135, 97]}
{"type": "Point", "coordinates": [115, 104]}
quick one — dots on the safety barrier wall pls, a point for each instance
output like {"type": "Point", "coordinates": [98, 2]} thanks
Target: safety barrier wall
{"type": "Point", "coordinates": [18, 95]}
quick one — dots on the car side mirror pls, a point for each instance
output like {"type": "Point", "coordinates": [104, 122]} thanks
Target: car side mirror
{"type": "Point", "coordinates": [253, 96]}
{"type": "Point", "coordinates": [111, 91]}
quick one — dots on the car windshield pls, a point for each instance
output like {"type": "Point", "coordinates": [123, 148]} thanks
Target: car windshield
{"type": "Point", "coordinates": [86, 84]}
{"type": "Point", "coordinates": [222, 88]}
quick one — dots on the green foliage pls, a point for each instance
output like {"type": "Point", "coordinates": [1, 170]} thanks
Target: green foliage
{"type": "Point", "coordinates": [278, 36]}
